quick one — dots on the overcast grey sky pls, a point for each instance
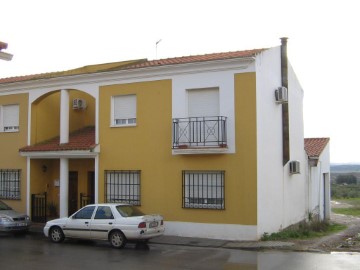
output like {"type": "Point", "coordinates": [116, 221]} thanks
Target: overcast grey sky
{"type": "Point", "coordinates": [323, 46]}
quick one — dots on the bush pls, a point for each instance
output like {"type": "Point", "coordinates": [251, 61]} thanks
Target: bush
{"type": "Point", "coordinates": [304, 230]}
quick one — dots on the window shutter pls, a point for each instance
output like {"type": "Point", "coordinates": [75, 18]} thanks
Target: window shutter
{"type": "Point", "coordinates": [203, 102]}
{"type": "Point", "coordinates": [11, 115]}
{"type": "Point", "coordinates": [125, 107]}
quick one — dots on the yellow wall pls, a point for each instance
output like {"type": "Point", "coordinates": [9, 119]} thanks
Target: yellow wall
{"type": "Point", "coordinates": [45, 117]}
{"type": "Point", "coordinates": [11, 142]}
{"type": "Point", "coordinates": [81, 118]}
{"type": "Point", "coordinates": [147, 147]}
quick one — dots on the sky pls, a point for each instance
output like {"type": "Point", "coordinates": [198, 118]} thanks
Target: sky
{"type": "Point", "coordinates": [323, 45]}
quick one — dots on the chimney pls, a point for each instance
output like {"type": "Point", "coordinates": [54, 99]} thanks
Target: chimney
{"type": "Point", "coordinates": [285, 106]}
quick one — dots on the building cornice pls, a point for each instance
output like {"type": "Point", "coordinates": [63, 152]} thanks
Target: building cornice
{"type": "Point", "coordinates": [138, 74]}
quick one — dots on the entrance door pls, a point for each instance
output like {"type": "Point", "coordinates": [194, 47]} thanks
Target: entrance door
{"type": "Point", "coordinates": [73, 192]}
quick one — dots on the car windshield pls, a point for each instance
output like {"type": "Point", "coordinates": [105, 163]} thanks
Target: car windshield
{"type": "Point", "coordinates": [4, 206]}
{"type": "Point", "coordinates": [129, 211]}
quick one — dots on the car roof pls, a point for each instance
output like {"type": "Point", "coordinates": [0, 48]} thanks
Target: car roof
{"type": "Point", "coordinates": [108, 204]}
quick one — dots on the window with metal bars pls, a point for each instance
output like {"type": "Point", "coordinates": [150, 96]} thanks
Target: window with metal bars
{"type": "Point", "coordinates": [203, 189]}
{"type": "Point", "coordinates": [10, 184]}
{"type": "Point", "coordinates": [122, 186]}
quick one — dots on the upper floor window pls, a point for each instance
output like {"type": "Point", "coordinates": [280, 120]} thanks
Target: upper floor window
{"type": "Point", "coordinates": [124, 110]}
{"type": "Point", "coordinates": [203, 102]}
{"type": "Point", "coordinates": [9, 118]}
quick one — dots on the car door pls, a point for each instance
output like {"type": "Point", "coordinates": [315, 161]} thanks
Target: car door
{"type": "Point", "coordinates": [78, 225]}
{"type": "Point", "coordinates": [102, 222]}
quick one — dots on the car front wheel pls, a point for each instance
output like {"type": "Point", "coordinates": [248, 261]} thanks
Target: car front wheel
{"type": "Point", "coordinates": [117, 239]}
{"type": "Point", "coordinates": [56, 235]}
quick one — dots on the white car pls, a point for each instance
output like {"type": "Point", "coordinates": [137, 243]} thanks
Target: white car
{"type": "Point", "coordinates": [116, 223]}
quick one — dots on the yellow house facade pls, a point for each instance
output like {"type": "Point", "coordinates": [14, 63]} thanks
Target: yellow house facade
{"type": "Point", "coordinates": [197, 139]}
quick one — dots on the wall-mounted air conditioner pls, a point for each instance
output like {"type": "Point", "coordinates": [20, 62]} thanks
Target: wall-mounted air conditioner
{"type": "Point", "coordinates": [281, 95]}
{"type": "Point", "coordinates": [79, 104]}
{"type": "Point", "coordinates": [294, 167]}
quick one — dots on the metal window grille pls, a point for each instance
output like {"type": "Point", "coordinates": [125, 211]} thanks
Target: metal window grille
{"type": "Point", "coordinates": [203, 189]}
{"type": "Point", "coordinates": [10, 184]}
{"type": "Point", "coordinates": [122, 186]}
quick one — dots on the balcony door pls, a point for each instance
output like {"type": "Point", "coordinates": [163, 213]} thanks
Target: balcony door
{"type": "Point", "coordinates": [203, 112]}
{"type": "Point", "coordinates": [203, 102]}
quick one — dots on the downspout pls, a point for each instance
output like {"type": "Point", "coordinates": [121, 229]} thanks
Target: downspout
{"type": "Point", "coordinates": [285, 106]}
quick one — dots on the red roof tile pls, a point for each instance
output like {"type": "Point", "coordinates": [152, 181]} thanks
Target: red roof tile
{"type": "Point", "coordinates": [83, 139]}
{"type": "Point", "coordinates": [134, 64]}
{"type": "Point", "coordinates": [196, 58]}
{"type": "Point", "coordinates": [315, 146]}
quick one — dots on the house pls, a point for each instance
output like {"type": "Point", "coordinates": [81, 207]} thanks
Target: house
{"type": "Point", "coordinates": [318, 195]}
{"type": "Point", "coordinates": [212, 142]}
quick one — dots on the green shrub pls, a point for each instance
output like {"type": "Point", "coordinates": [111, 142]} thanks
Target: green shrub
{"type": "Point", "coordinates": [304, 230]}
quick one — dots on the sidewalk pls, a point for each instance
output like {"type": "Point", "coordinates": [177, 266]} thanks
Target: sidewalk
{"type": "Point", "coordinates": [37, 228]}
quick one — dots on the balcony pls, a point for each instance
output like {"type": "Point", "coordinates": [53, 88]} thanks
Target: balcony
{"type": "Point", "coordinates": [199, 135]}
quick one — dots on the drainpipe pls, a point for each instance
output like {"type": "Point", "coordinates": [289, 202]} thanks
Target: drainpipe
{"type": "Point", "coordinates": [285, 106]}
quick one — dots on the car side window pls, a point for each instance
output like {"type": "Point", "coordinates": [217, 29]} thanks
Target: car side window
{"type": "Point", "coordinates": [104, 212]}
{"type": "Point", "coordinates": [85, 213]}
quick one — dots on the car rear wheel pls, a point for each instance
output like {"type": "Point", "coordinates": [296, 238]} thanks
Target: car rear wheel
{"type": "Point", "coordinates": [56, 235]}
{"type": "Point", "coordinates": [117, 239]}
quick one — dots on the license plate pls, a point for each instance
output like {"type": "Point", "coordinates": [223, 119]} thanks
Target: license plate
{"type": "Point", "coordinates": [21, 224]}
{"type": "Point", "coordinates": [153, 224]}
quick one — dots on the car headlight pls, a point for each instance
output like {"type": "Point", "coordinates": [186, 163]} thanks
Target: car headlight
{"type": "Point", "coordinates": [27, 218]}
{"type": "Point", "coordinates": [5, 219]}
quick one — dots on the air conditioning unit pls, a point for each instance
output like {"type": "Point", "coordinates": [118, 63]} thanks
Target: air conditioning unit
{"type": "Point", "coordinates": [79, 104]}
{"type": "Point", "coordinates": [294, 167]}
{"type": "Point", "coordinates": [281, 95]}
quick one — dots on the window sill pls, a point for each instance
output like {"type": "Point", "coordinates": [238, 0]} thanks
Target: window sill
{"type": "Point", "coordinates": [122, 126]}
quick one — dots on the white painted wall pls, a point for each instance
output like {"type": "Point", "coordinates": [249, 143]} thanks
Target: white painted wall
{"type": "Point", "coordinates": [295, 186]}
{"type": "Point", "coordinates": [212, 231]}
{"type": "Point", "coordinates": [224, 80]}
{"type": "Point", "coordinates": [319, 186]}
{"type": "Point", "coordinates": [281, 196]}
{"type": "Point", "coordinates": [269, 143]}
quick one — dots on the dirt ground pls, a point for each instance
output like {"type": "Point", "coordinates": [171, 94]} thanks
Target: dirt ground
{"type": "Point", "coordinates": [344, 241]}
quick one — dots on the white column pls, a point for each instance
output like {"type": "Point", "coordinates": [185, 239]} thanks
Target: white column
{"type": "Point", "coordinates": [64, 116]}
{"type": "Point", "coordinates": [28, 195]}
{"type": "Point", "coordinates": [96, 184]}
{"type": "Point", "coordinates": [64, 187]}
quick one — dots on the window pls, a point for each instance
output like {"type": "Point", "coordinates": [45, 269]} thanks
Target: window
{"type": "Point", "coordinates": [10, 184]}
{"type": "Point", "coordinates": [104, 212]}
{"type": "Point", "coordinates": [203, 102]}
{"type": "Point", "coordinates": [122, 186]}
{"type": "Point", "coordinates": [203, 189]}
{"type": "Point", "coordinates": [9, 118]}
{"type": "Point", "coordinates": [85, 213]}
{"type": "Point", "coordinates": [124, 110]}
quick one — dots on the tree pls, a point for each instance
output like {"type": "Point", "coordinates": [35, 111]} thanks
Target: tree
{"type": "Point", "coordinates": [346, 179]}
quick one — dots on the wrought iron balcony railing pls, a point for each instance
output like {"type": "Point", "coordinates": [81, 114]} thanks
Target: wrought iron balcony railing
{"type": "Point", "coordinates": [199, 132]}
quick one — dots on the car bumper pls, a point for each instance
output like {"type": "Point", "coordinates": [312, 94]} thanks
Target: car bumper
{"type": "Point", "coordinates": [15, 227]}
{"type": "Point", "coordinates": [144, 234]}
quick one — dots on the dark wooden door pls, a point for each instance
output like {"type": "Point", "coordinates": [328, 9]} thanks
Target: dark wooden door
{"type": "Point", "coordinates": [73, 192]}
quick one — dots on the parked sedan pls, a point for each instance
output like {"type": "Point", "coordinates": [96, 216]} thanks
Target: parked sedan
{"type": "Point", "coordinates": [12, 221]}
{"type": "Point", "coordinates": [116, 223]}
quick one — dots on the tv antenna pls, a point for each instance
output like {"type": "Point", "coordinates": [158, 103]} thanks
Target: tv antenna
{"type": "Point", "coordinates": [156, 45]}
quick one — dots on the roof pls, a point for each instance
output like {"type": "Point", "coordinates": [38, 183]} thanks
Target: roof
{"type": "Point", "coordinates": [83, 139]}
{"type": "Point", "coordinates": [315, 146]}
{"type": "Point", "coordinates": [136, 64]}
{"type": "Point", "coordinates": [3, 45]}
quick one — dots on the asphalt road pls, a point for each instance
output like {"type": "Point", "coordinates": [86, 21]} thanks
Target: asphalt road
{"type": "Point", "coordinates": [37, 252]}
